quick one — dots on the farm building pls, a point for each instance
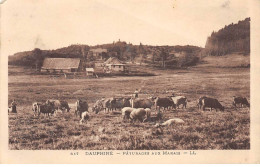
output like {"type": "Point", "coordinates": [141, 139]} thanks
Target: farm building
{"type": "Point", "coordinates": [90, 71]}
{"type": "Point", "coordinates": [113, 65]}
{"type": "Point", "coordinates": [98, 53]}
{"type": "Point", "coordinates": [99, 67]}
{"type": "Point", "coordinates": [61, 65]}
{"type": "Point", "coordinates": [99, 64]}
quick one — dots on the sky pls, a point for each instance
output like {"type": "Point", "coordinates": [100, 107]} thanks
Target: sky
{"type": "Point", "coordinates": [48, 24]}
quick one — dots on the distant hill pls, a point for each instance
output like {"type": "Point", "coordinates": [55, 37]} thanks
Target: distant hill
{"type": "Point", "coordinates": [156, 55]}
{"type": "Point", "coordinates": [230, 39]}
{"type": "Point", "coordinates": [35, 57]}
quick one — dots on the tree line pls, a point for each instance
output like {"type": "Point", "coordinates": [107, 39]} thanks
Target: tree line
{"type": "Point", "coordinates": [231, 38]}
{"type": "Point", "coordinates": [163, 56]}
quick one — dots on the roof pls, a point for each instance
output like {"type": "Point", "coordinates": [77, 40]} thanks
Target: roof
{"type": "Point", "coordinates": [60, 63]}
{"type": "Point", "coordinates": [90, 69]}
{"type": "Point", "coordinates": [98, 50]}
{"type": "Point", "coordinates": [113, 60]}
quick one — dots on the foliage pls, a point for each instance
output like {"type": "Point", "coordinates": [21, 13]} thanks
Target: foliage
{"type": "Point", "coordinates": [122, 50]}
{"type": "Point", "coordinates": [231, 38]}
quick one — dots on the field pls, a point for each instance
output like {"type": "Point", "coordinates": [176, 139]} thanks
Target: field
{"type": "Point", "coordinates": [202, 130]}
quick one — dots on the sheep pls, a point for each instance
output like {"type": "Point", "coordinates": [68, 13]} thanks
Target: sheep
{"type": "Point", "coordinates": [126, 112]}
{"type": "Point", "coordinates": [84, 117]}
{"type": "Point", "coordinates": [141, 114]}
{"type": "Point", "coordinates": [170, 122]}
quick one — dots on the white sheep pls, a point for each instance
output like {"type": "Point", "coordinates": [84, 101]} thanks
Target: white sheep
{"type": "Point", "coordinates": [126, 112]}
{"type": "Point", "coordinates": [140, 114]}
{"type": "Point", "coordinates": [170, 122]}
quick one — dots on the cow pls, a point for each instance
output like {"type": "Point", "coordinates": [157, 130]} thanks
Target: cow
{"type": "Point", "coordinates": [59, 105]}
{"type": "Point", "coordinates": [178, 100]}
{"type": "Point", "coordinates": [200, 102]}
{"type": "Point", "coordinates": [170, 122]}
{"type": "Point", "coordinates": [140, 114]}
{"type": "Point", "coordinates": [84, 117]}
{"type": "Point", "coordinates": [164, 102]}
{"type": "Point", "coordinates": [46, 109]}
{"type": "Point", "coordinates": [141, 103]}
{"type": "Point", "coordinates": [211, 103]}
{"type": "Point", "coordinates": [81, 106]}
{"type": "Point", "coordinates": [240, 100]}
{"type": "Point", "coordinates": [126, 112]}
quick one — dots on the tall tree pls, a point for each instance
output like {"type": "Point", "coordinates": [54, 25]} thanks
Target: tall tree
{"type": "Point", "coordinates": [37, 57]}
{"type": "Point", "coordinates": [164, 54]}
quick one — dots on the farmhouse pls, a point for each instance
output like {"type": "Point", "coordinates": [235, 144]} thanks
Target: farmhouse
{"type": "Point", "coordinates": [61, 65]}
{"type": "Point", "coordinates": [113, 65]}
{"type": "Point", "coordinates": [98, 53]}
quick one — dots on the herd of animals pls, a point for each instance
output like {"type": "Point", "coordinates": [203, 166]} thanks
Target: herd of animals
{"type": "Point", "coordinates": [133, 108]}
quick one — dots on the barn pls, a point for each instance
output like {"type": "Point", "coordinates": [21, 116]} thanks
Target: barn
{"type": "Point", "coordinates": [61, 65]}
{"type": "Point", "coordinates": [113, 65]}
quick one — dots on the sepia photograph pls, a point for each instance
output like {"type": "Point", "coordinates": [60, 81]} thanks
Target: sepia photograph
{"type": "Point", "coordinates": [127, 75]}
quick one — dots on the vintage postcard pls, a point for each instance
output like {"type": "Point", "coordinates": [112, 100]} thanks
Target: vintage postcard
{"type": "Point", "coordinates": [130, 81]}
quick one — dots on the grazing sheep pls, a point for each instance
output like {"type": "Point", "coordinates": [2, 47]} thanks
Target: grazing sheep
{"type": "Point", "coordinates": [13, 107]}
{"type": "Point", "coordinates": [98, 106]}
{"type": "Point", "coordinates": [170, 122]}
{"type": "Point", "coordinates": [148, 114]}
{"type": "Point", "coordinates": [107, 105]}
{"type": "Point", "coordinates": [178, 100]}
{"type": "Point", "coordinates": [240, 100]}
{"type": "Point", "coordinates": [165, 103]}
{"type": "Point", "coordinates": [126, 102]}
{"type": "Point", "coordinates": [141, 114]}
{"type": "Point", "coordinates": [81, 106]}
{"type": "Point", "coordinates": [141, 103]}
{"type": "Point", "coordinates": [84, 117]}
{"type": "Point", "coordinates": [126, 112]}
{"type": "Point", "coordinates": [211, 103]}
{"type": "Point", "coordinates": [200, 102]}
{"type": "Point", "coordinates": [61, 105]}
{"type": "Point", "coordinates": [46, 109]}
{"type": "Point", "coordinates": [36, 108]}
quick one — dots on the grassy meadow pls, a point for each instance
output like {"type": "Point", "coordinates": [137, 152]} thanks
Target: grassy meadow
{"type": "Point", "coordinates": [201, 130]}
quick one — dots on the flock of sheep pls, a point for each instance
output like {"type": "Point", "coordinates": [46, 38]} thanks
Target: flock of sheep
{"type": "Point", "coordinates": [133, 108]}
